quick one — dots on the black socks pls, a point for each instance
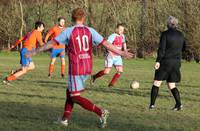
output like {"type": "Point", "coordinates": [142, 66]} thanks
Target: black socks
{"type": "Point", "coordinates": [176, 95]}
{"type": "Point", "coordinates": [154, 94]}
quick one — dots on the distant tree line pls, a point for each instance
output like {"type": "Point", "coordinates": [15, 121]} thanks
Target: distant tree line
{"type": "Point", "coordinates": [144, 20]}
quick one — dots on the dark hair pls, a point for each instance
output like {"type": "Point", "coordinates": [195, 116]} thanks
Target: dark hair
{"type": "Point", "coordinates": [77, 14]}
{"type": "Point", "coordinates": [61, 18]}
{"type": "Point", "coordinates": [38, 24]}
{"type": "Point", "coordinates": [120, 24]}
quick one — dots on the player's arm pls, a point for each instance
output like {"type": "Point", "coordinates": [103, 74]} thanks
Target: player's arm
{"type": "Point", "coordinates": [162, 47]}
{"type": "Point", "coordinates": [161, 51]}
{"type": "Point", "coordinates": [98, 39]}
{"type": "Point", "coordinates": [62, 38]}
{"type": "Point", "coordinates": [48, 35]}
{"type": "Point", "coordinates": [47, 46]}
{"type": "Point", "coordinates": [39, 39]}
{"type": "Point", "coordinates": [111, 39]}
{"type": "Point", "coordinates": [125, 47]}
{"type": "Point", "coordinates": [184, 46]}
{"type": "Point", "coordinates": [112, 48]}
{"type": "Point", "coordinates": [19, 41]}
{"type": "Point", "coordinates": [124, 44]}
{"type": "Point", "coordinates": [44, 47]}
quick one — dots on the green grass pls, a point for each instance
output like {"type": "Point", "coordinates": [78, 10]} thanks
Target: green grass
{"type": "Point", "coordinates": [34, 101]}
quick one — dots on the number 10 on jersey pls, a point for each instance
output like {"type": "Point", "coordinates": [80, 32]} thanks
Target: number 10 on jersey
{"type": "Point", "coordinates": [83, 42]}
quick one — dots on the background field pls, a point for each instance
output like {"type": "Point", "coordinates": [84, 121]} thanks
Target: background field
{"type": "Point", "coordinates": [144, 20]}
{"type": "Point", "coordinates": [34, 101]}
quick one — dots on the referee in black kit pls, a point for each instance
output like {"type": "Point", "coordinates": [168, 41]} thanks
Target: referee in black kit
{"type": "Point", "coordinates": [168, 62]}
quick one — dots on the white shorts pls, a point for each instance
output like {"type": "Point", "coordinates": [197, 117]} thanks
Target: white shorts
{"type": "Point", "coordinates": [115, 60]}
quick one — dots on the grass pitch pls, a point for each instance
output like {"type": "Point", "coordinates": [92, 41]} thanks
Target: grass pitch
{"type": "Point", "coordinates": [34, 102]}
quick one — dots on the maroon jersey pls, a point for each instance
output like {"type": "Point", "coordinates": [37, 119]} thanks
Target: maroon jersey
{"type": "Point", "coordinates": [117, 41]}
{"type": "Point", "coordinates": [80, 40]}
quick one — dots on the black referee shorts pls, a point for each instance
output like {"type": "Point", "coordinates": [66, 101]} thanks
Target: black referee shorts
{"type": "Point", "coordinates": [169, 70]}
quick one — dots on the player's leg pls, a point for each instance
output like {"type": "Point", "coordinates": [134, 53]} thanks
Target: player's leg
{"type": "Point", "coordinates": [108, 66]}
{"type": "Point", "coordinates": [160, 75]}
{"type": "Point", "coordinates": [76, 87]}
{"type": "Point", "coordinates": [17, 74]}
{"type": "Point", "coordinates": [31, 66]}
{"type": "Point", "coordinates": [62, 57]}
{"type": "Point", "coordinates": [69, 104]}
{"type": "Point", "coordinates": [24, 67]}
{"type": "Point", "coordinates": [101, 73]}
{"type": "Point", "coordinates": [176, 94]}
{"type": "Point", "coordinates": [116, 76]}
{"type": "Point", "coordinates": [175, 76]}
{"type": "Point", "coordinates": [117, 62]}
{"type": "Point", "coordinates": [88, 105]}
{"type": "Point", "coordinates": [13, 72]}
{"type": "Point", "coordinates": [154, 93]}
{"type": "Point", "coordinates": [52, 62]}
{"type": "Point", "coordinates": [21, 72]}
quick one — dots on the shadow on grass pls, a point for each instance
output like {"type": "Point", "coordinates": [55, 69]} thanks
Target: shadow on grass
{"type": "Point", "coordinates": [141, 93]}
{"type": "Point", "coordinates": [8, 94]}
{"type": "Point", "coordinates": [47, 83]}
{"type": "Point", "coordinates": [52, 84]}
{"type": "Point", "coordinates": [189, 86]}
{"type": "Point", "coordinates": [24, 116]}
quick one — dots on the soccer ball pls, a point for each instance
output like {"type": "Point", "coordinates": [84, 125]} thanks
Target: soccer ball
{"type": "Point", "coordinates": [134, 85]}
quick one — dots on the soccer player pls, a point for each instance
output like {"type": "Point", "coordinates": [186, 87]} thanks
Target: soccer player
{"type": "Point", "coordinates": [80, 39]}
{"type": "Point", "coordinates": [57, 50]}
{"type": "Point", "coordinates": [118, 40]}
{"type": "Point", "coordinates": [168, 62]}
{"type": "Point", "coordinates": [30, 44]}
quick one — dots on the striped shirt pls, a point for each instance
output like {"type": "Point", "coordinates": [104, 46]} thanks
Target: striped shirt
{"type": "Point", "coordinates": [80, 39]}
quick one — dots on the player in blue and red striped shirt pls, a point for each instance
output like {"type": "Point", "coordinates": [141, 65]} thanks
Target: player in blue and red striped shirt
{"type": "Point", "coordinates": [79, 40]}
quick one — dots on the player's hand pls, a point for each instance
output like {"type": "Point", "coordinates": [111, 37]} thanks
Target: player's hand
{"type": "Point", "coordinates": [127, 50]}
{"type": "Point", "coordinates": [12, 47]}
{"type": "Point", "coordinates": [127, 55]}
{"type": "Point", "coordinates": [157, 65]}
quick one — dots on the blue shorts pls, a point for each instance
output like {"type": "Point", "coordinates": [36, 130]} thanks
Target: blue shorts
{"type": "Point", "coordinates": [23, 60]}
{"type": "Point", "coordinates": [76, 83]}
{"type": "Point", "coordinates": [58, 52]}
{"type": "Point", "coordinates": [115, 60]}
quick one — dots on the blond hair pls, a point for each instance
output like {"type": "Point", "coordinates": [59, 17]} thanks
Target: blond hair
{"type": "Point", "coordinates": [172, 22]}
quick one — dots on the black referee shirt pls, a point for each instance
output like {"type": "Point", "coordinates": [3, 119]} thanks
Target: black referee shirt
{"type": "Point", "coordinates": [172, 43]}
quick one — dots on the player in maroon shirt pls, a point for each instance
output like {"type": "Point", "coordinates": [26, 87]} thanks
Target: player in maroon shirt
{"type": "Point", "coordinates": [79, 39]}
{"type": "Point", "coordinates": [112, 59]}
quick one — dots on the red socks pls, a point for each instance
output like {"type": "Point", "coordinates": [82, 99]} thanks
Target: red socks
{"type": "Point", "coordinates": [99, 74]}
{"type": "Point", "coordinates": [83, 102]}
{"type": "Point", "coordinates": [62, 69]}
{"type": "Point", "coordinates": [51, 68]}
{"type": "Point", "coordinates": [86, 104]}
{"type": "Point", "coordinates": [11, 78]}
{"type": "Point", "coordinates": [114, 79]}
{"type": "Point", "coordinates": [69, 104]}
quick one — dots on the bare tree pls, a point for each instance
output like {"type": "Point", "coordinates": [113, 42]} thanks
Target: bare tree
{"type": "Point", "coordinates": [22, 20]}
